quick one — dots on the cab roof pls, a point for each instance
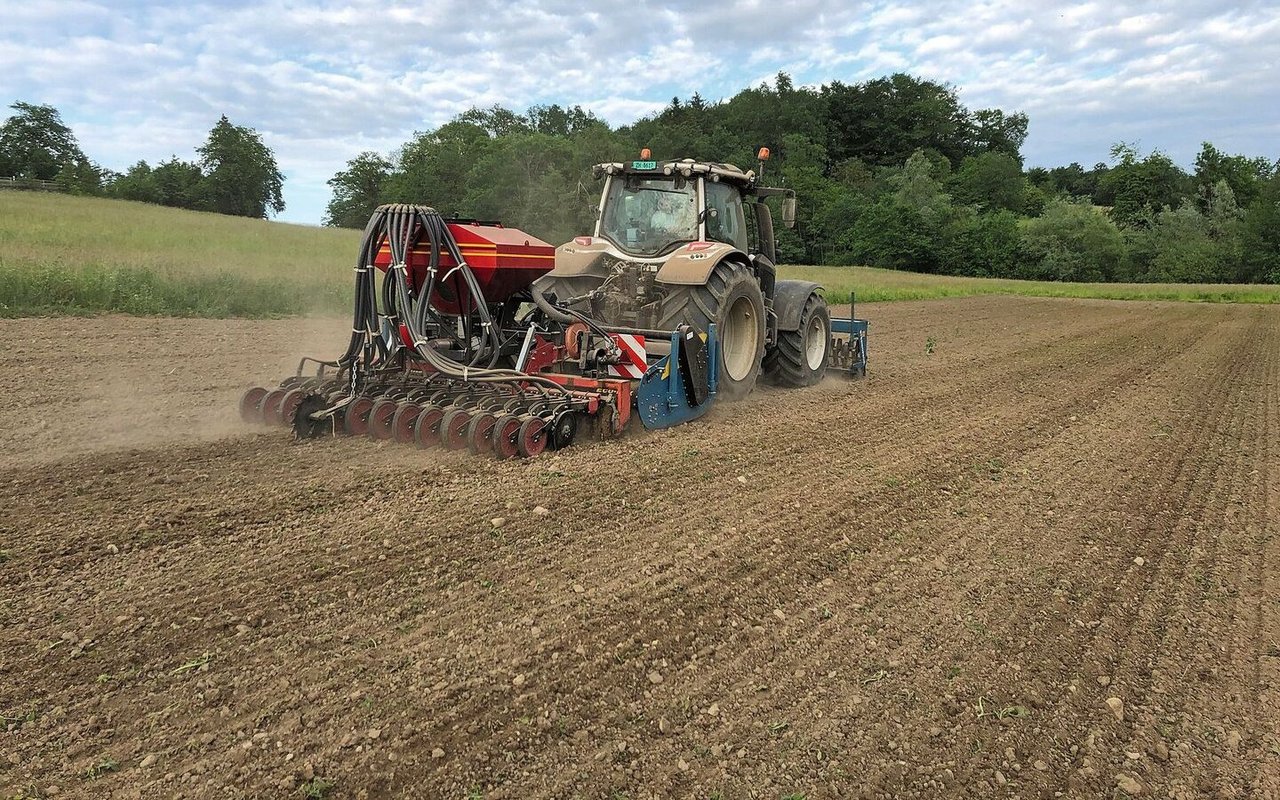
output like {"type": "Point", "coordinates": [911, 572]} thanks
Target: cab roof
{"type": "Point", "coordinates": [687, 167]}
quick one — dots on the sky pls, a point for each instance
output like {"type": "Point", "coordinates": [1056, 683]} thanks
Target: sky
{"type": "Point", "coordinates": [322, 82]}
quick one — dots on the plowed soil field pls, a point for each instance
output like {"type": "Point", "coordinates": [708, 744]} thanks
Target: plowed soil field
{"type": "Point", "coordinates": [1033, 554]}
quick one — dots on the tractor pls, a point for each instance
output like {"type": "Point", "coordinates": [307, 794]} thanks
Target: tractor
{"type": "Point", "coordinates": [467, 334]}
{"type": "Point", "coordinates": [688, 242]}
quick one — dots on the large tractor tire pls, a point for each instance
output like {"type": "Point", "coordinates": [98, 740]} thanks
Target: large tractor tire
{"type": "Point", "coordinates": [730, 298]}
{"type": "Point", "coordinates": [800, 357]}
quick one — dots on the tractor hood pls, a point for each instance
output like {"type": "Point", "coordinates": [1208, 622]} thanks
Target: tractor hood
{"type": "Point", "coordinates": [583, 256]}
{"type": "Point", "coordinates": [689, 264]}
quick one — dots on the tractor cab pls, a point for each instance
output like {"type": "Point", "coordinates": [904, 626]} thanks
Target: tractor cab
{"type": "Point", "coordinates": [650, 215]}
{"type": "Point", "coordinates": [647, 211]}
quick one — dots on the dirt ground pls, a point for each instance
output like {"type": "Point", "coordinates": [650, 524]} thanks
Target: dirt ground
{"type": "Point", "coordinates": [1032, 555]}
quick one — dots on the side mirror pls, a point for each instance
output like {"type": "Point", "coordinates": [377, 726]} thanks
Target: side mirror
{"type": "Point", "coordinates": [789, 212]}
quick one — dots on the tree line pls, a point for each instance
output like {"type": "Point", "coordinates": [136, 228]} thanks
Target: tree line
{"type": "Point", "coordinates": [891, 172]}
{"type": "Point", "coordinates": [234, 172]}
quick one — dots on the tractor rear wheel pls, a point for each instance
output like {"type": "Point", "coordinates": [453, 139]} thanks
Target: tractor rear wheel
{"type": "Point", "coordinates": [800, 357]}
{"type": "Point", "coordinates": [731, 298]}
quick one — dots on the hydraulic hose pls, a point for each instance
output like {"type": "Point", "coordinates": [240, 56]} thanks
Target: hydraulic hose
{"type": "Point", "coordinates": [403, 224]}
{"type": "Point", "coordinates": [566, 315]}
{"type": "Point", "coordinates": [540, 300]}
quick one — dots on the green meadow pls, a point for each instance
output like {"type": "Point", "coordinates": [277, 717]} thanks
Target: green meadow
{"type": "Point", "coordinates": [61, 254]}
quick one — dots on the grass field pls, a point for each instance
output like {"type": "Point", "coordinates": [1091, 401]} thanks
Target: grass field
{"type": "Point", "coordinates": [873, 285]}
{"type": "Point", "coordinates": [76, 255]}
{"type": "Point", "coordinates": [64, 254]}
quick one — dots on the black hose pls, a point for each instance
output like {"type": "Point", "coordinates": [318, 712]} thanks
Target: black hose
{"type": "Point", "coordinates": [540, 300]}
{"type": "Point", "coordinates": [359, 317]}
{"type": "Point", "coordinates": [564, 314]}
{"type": "Point", "coordinates": [403, 223]}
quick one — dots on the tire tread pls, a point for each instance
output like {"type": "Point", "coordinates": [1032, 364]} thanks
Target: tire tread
{"type": "Point", "coordinates": [785, 363]}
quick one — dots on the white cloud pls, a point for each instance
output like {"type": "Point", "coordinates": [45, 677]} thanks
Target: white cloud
{"type": "Point", "coordinates": [325, 80]}
{"type": "Point", "coordinates": [946, 43]}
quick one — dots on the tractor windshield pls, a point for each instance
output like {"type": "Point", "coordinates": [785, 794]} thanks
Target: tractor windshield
{"type": "Point", "coordinates": [646, 216]}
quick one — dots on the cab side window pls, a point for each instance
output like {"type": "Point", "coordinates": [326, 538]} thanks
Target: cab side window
{"type": "Point", "coordinates": [727, 224]}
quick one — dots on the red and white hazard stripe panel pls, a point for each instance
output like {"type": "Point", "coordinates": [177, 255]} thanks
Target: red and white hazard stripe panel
{"type": "Point", "coordinates": [634, 362]}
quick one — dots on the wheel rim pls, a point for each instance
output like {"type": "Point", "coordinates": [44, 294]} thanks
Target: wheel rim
{"type": "Point", "coordinates": [289, 405]}
{"type": "Point", "coordinates": [271, 407]}
{"type": "Point", "coordinates": [453, 430]}
{"type": "Point", "coordinates": [562, 430]}
{"type": "Point", "coordinates": [426, 428]}
{"type": "Point", "coordinates": [480, 433]}
{"type": "Point", "coordinates": [403, 420]}
{"type": "Point", "coordinates": [356, 420]}
{"type": "Point", "coordinates": [380, 419]}
{"type": "Point", "coordinates": [251, 404]}
{"type": "Point", "coordinates": [816, 338]}
{"type": "Point", "coordinates": [738, 339]}
{"type": "Point", "coordinates": [532, 438]}
{"type": "Point", "coordinates": [505, 434]}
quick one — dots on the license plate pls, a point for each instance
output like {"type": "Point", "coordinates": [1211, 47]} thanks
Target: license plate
{"type": "Point", "coordinates": [644, 164]}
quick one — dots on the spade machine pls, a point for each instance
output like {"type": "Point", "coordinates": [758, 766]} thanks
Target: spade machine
{"type": "Point", "coordinates": [471, 335]}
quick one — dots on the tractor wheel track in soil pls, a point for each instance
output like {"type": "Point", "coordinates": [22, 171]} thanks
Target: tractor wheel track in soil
{"type": "Point", "coordinates": [910, 557]}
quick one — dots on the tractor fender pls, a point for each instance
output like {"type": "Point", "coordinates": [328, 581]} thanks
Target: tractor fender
{"type": "Point", "coordinates": [691, 264]}
{"type": "Point", "coordinates": [574, 259]}
{"type": "Point", "coordinates": [789, 298]}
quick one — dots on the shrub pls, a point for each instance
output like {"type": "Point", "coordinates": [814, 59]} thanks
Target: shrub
{"type": "Point", "coordinates": [1073, 242]}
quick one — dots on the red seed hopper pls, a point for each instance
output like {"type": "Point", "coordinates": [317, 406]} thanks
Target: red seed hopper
{"type": "Point", "coordinates": [503, 260]}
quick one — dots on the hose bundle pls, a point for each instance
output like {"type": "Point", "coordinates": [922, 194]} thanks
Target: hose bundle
{"type": "Point", "coordinates": [403, 226]}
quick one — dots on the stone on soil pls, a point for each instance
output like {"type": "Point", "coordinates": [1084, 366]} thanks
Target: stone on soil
{"type": "Point", "coordinates": [1128, 784]}
{"type": "Point", "coordinates": [1117, 707]}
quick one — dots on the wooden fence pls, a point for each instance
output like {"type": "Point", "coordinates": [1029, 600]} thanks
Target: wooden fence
{"type": "Point", "coordinates": [30, 183]}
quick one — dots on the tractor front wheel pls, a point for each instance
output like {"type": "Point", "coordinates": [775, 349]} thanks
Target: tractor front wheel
{"type": "Point", "coordinates": [800, 357]}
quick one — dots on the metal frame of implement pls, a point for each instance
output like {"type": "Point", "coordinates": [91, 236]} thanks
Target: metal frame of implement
{"type": "Point", "coordinates": [850, 355]}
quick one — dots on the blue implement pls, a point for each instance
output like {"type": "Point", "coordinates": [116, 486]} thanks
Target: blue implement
{"type": "Point", "coordinates": [682, 385]}
{"type": "Point", "coordinates": [849, 344]}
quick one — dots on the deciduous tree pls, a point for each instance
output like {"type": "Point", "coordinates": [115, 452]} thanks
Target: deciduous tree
{"type": "Point", "coordinates": [1144, 187]}
{"type": "Point", "coordinates": [1244, 175]}
{"type": "Point", "coordinates": [137, 183]}
{"type": "Point", "coordinates": [1260, 236]}
{"type": "Point", "coordinates": [990, 181]}
{"type": "Point", "coordinates": [884, 121]}
{"type": "Point", "coordinates": [240, 173]}
{"type": "Point", "coordinates": [357, 191]}
{"type": "Point", "coordinates": [35, 143]}
{"type": "Point", "coordinates": [1073, 242]}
